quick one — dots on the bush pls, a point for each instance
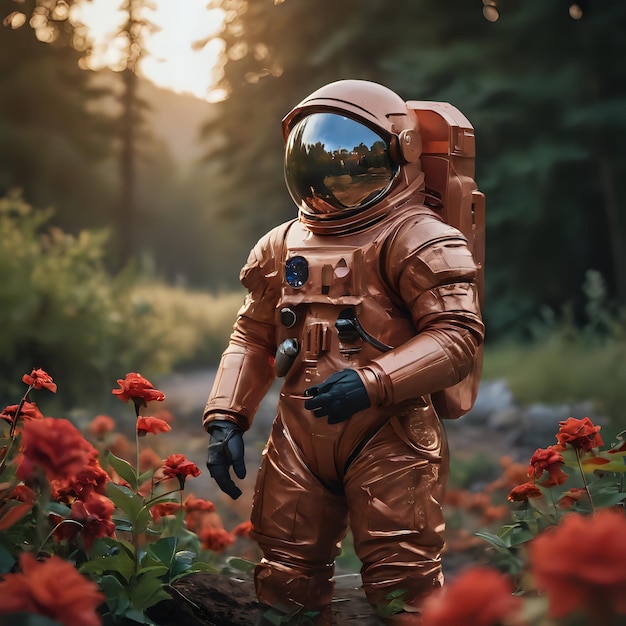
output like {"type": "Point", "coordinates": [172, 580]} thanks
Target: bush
{"type": "Point", "coordinates": [62, 310]}
{"type": "Point", "coordinates": [568, 361]}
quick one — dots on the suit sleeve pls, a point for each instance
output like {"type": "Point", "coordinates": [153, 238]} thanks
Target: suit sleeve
{"type": "Point", "coordinates": [246, 369]}
{"type": "Point", "coordinates": [430, 268]}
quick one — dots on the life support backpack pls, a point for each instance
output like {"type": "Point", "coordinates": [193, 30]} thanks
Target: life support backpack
{"type": "Point", "coordinates": [448, 155]}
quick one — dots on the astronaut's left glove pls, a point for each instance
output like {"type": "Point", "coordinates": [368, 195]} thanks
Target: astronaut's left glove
{"type": "Point", "coordinates": [340, 396]}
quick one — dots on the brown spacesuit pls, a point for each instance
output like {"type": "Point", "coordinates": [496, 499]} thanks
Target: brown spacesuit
{"type": "Point", "coordinates": [368, 305]}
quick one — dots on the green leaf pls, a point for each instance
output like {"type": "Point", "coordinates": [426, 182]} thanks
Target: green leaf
{"type": "Point", "coordinates": [163, 550]}
{"type": "Point", "coordinates": [161, 500]}
{"type": "Point", "coordinates": [144, 477]}
{"type": "Point", "coordinates": [183, 561]}
{"type": "Point", "coordinates": [6, 560]}
{"type": "Point", "coordinates": [239, 564]}
{"type": "Point", "coordinates": [125, 500]}
{"type": "Point", "coordinates": [116, 595]}
{"type": "Point", "coordinates": [198, 566]}
{"type": "Point", "coordinates": [105, 546]}
{"type": "Point", "coordinates": [494, 540]}
{"type": "Point", "coordinates": [148, 587]}
{"type": "Point", "coordinates": [126, 471]}
{"type": "Point", "coordinates": [58, 509]}
{"type": "Point", "coordinates": [121, 563]}
{"type": "Point", "coordinates": [28, 619]}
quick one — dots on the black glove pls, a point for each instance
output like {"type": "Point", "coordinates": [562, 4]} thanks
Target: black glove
{"type": "Point", "coordinates": [226, 449]}
{"type": "Point", "coordinates": [339, 396]}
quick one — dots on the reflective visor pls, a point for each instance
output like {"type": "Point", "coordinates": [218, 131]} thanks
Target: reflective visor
{"type": "Point", "coordinates": [334, 163]}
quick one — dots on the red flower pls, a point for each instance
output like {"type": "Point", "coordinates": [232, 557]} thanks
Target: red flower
{"type": "Point", "coordinates": [152, 425]}
{"type": "Point", "coordinates": [521, 493]}
{"type": "Point", "coordinates": [580, 564]}
{"type": "Point", "coordinates": [478, 597]}
{"type": "Point", "coordinates": [29, 411]}
{"type": "Point", "coordinates": [149, 459]}
{"type": "Point", "coordinates": [580, 434]}
{"type": "Point", "coordinates": [165, 415]}
{"type": "Point", "coordinates": [547, 460]}
{"type": "Point", "coordinates": [38, 379]}
{"type": "Point", "coordinates": [136, 388]}
{"type": "Point", "coordinates": [569, 498]}
{"type": "Point", "coordinates": [216, 539]}
{"type": "Point", "coordinates": [18, 503]}
{"type": "Point", "coordinates": [52, 588]}
{"type": "Point", "coordinates": [94, 517]}
{"type": "Point", "coordinates": [101, 425]}
{"type": "Point", "coordinates": [178, 465]}
{"type": "Point", "coordinates": [200, 514]}
{"type": "Point", "coordinates": [198, 504]}
{"type": "Point", "coordinates": [165, 508]}
{"type": "Point", "coordinates": [91, 479]}
{"type": "Point", "coordinates": [243, 529]}
{"type": "Point", "coordinates": [57, 447]}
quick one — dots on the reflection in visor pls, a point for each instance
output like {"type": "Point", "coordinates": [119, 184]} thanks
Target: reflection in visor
{"type": "Point", "coordinates": [334, 160]}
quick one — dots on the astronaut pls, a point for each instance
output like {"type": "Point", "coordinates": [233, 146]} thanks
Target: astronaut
{"type": "Point", "coordinates": [367, 305]}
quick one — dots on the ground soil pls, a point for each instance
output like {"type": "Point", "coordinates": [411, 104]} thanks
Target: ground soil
{"type": "Point", "coordinates": [214, 600]}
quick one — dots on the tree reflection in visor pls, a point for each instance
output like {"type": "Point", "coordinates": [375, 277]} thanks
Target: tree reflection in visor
{"type": "Point", "coordinates": [335, 163]}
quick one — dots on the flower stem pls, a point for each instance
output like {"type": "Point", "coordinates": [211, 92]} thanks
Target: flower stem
{"type": "Point", "coordinates": [582, 473]}
{"type": "Point", "coordinates": [64, 521]}
{"type": "Point", "coordinates": [9, 447]}
{"type": "Point", "coordinates": [136, 444]}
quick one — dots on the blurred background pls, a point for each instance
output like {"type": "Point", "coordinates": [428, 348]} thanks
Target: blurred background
{"type": "Point", "coordinates": [141, 159]}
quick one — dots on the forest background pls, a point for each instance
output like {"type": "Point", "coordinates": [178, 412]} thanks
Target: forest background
{"type": "Point", "coordinates": [126, 211]}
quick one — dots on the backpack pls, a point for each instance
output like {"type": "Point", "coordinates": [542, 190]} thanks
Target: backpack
{"type": "Point", "coordinates": [448, 153]}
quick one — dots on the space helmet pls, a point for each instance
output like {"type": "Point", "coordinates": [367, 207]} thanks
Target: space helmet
{"type": "Point", "coordinates": [352, 154]}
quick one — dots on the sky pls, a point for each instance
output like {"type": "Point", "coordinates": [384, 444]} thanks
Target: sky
{"type": "Point", "coordinates": [171, 61]}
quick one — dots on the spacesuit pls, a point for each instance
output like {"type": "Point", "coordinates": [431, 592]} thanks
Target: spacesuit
{"type": "Point", "coordinates": [367, 305]}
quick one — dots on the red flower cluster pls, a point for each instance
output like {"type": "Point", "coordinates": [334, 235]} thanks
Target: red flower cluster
{"type": "Point", "coordinates": [38, 379]}
{"type": "Point", "coordinates": [57, 447]}
{"type": "Point", "coordinates": [478, 597]}
{"type": "Point", "coordinates": [580, 564]}
{"type": "Point", "coordinates": [580, 434]}
{"type": "Point", "coordinates": [136, 388]}
{"type": "Point", "coordinates": [52, 588]}
{"type": "Point", "coordinates": [547, 460]}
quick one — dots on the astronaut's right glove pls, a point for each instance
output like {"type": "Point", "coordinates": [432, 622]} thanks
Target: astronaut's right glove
{"type": "Point", "coordinates": [340, 396]}
{"type": "Point", "coordinates": [225, 449]}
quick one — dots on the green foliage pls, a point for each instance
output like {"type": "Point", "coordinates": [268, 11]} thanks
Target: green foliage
{"type": "Point", "coordinates": [568, 361]}
{"type": "Point", "coordinates": [61, 309]}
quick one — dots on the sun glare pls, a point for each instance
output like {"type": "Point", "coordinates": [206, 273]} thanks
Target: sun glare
{"type": "Point", "coordinates": [171, 60]}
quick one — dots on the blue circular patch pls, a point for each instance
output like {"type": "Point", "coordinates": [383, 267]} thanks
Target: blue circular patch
{"type": "Point", "coordinates": [296, 271]}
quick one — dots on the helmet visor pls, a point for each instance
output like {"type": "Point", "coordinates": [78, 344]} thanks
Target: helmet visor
{"type": "Point", "coordinates": [334, 163]}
